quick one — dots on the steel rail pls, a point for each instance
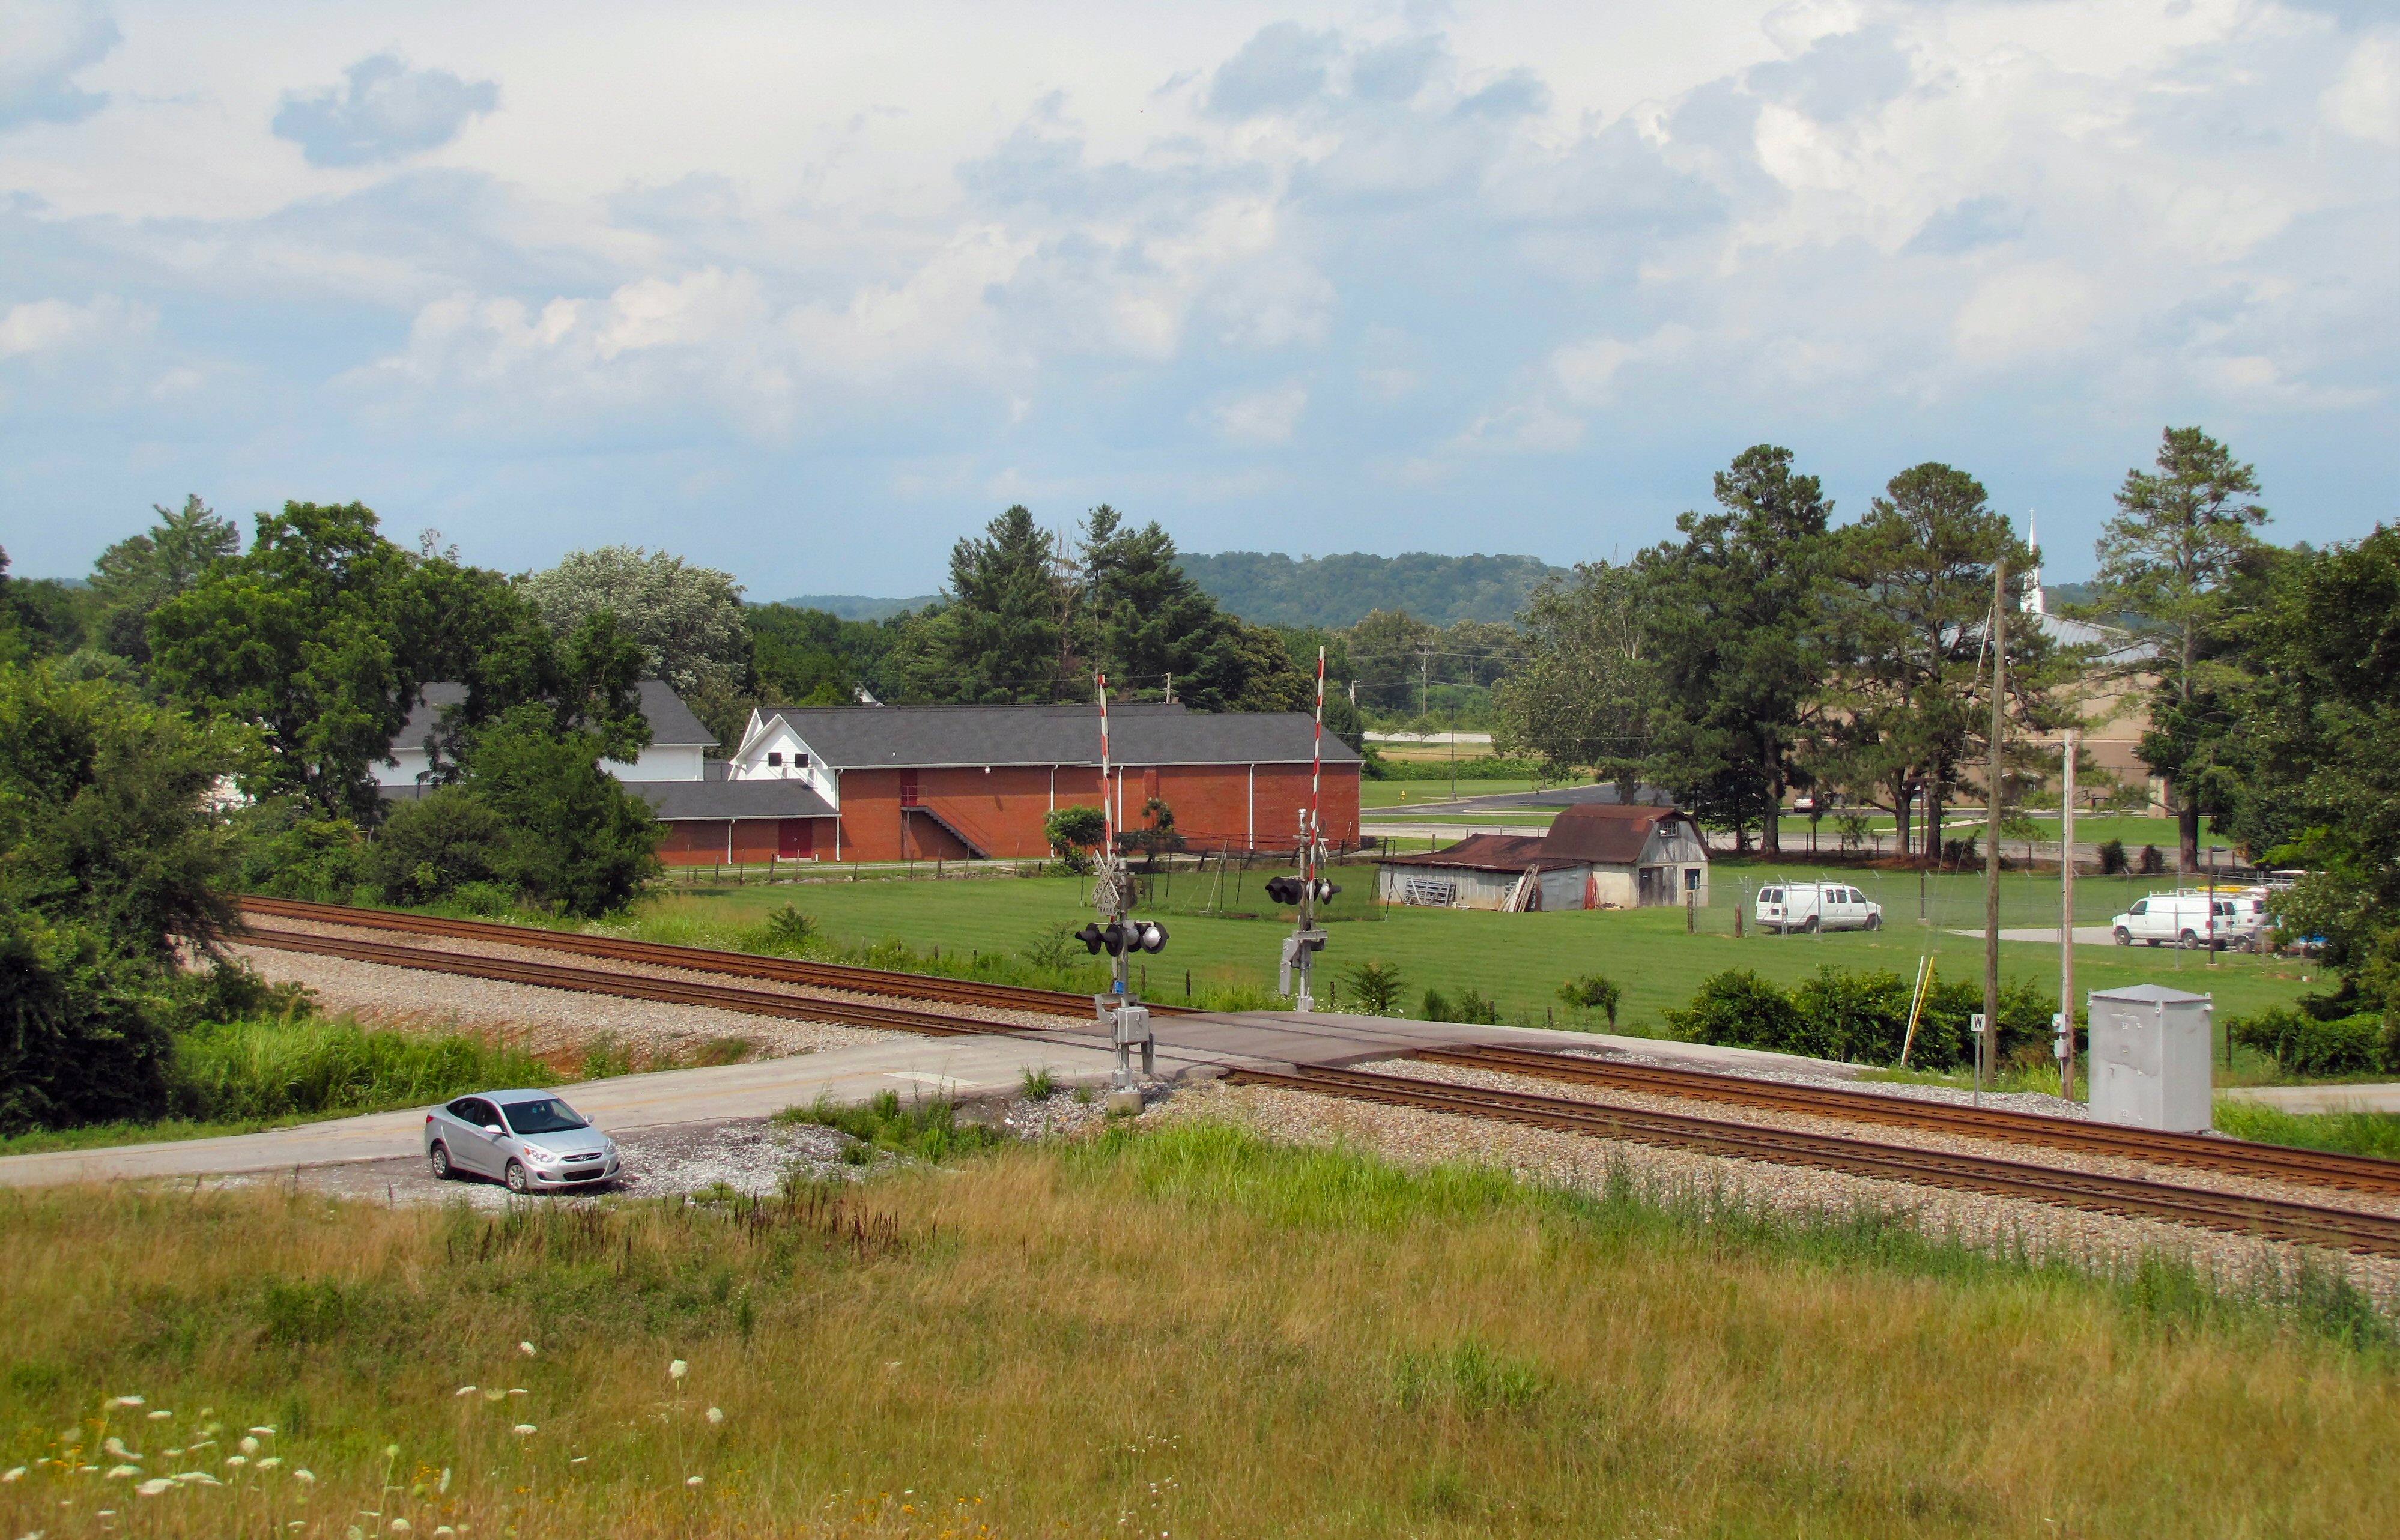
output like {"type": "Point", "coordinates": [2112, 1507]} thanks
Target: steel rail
{"type": "Point", "coordinates": [2272, 1161]}
{"type": "Point", "coordinates": [2344, 1229]}
{"type": "Point", "coordinates": [826, 975]}
{"type": "Point", "coordinates": [673, 992]}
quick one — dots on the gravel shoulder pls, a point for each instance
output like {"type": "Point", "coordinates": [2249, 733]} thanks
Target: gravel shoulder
{"type": "Point", "coordinates": [549, 1023]}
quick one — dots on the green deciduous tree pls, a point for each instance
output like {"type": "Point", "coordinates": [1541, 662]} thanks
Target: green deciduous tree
{"type": "Point", "coordinates": [1586, 693]}
{"type": "Point", "coordinates": [321, 636]}
{"type": "Point", "coordinates": [2180, 535]}
{"type": "Point", "coordinates": [687, 621]}
{"type": "Point", "coordinates": [577, 840]}
{"type": "Point", "coordinates": [1737, 617]}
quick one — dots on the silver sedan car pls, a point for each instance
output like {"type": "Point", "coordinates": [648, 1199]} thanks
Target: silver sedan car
{"type": "Point", "coordinates": [530, 1139]}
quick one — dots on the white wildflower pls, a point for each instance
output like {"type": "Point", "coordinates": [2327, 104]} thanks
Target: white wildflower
{"type": "Point", "coordinates": [249, 1446]}
{"type": "Point", "coordinates": [14, 1473]}
{"type": "Point", "coordinates": [519, 1390]}
{"type": "Point", "coordinates": [441, 1531]}
{"type": "Point", "coordinates": [118, 1473]}
{"type": "Point", "coordinates": [677, 1369]}
{"type": "Point", "coordinates": [265, 1430]}
{"type": "Point", "coordinates": [716, 1417]}
{"type": "Point", "coordinates": [464, 1390]}
{"type": "Point", "coordinates": [445, 1488]}
{"type": "Point", "coordinates": [526, 1348]}
{"type": "Point", "coordinates": [234, 1462]}
{"type": "Point", "coordinates": [399, 1526]}
{"type": "Point", "coordinates": [391, 1452]}
{"type": "Point", "coordinates": [524, 1430]}
{"type": "Point", "coordinates": [174, 1454]}
{"type": "Point", "coordinates": [155, 1485]}
{"type": "Point", "coordinates": [304, 1476]}
{"type": "Point", "coordinates": [270, 1461]}
{"type": "Point", "coordinates": [116, 1446]}
{"type": "Point", "coordinates": [126, 1401]}
{"type": "Point", "coordinates": [496, 1393]}
{"type": "Point", "coordinates": [357, 1534]}
{"type": "Point", "coordinates": [159, 1416]}
{"type": "Point", "coordinates": [691, 1481]}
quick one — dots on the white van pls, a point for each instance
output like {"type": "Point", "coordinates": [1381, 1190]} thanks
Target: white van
{"type": "Point", "coordinates": [2190, 919]}
{"type": "Point", "coordinates": [1816, 905]}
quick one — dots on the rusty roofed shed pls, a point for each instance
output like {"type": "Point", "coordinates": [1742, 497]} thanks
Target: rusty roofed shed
{"type": "Point", "coordinates": [1595, 856]}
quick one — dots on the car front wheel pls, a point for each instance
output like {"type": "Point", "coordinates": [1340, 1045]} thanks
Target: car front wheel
{"type": "Point", "coordinates": [2125, 937]}
{"type": "Point", "coordinates": [439, 1158]}
{"type": "Point", "coordinates": [516, 1178]}
{"type": "Point", "coordinates": [1874, 922]}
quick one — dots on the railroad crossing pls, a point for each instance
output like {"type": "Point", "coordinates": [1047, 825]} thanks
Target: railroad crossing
{"type": "Point", "coordinates": [949, 1052]}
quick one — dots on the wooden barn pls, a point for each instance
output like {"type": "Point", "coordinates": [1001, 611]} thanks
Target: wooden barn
{"type": "Point", "coordinates": [1595, 856]}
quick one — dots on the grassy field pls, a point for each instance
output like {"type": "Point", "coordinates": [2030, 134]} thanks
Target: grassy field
{"type": "Point", "coordinates": [1395, 794]}
{"type": "Point", "coordinates": [1177, 1333]}
{"type": "Point", "coordinates": [1518, 960]}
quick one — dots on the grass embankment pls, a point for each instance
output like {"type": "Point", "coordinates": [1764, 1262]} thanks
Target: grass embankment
{"type": "Point", "coordinates": [1177, 1333]}
{"type": "Point", "coordinates": [2375, 1134]}
{"type": "Point", "coordinates": [244, 1076]}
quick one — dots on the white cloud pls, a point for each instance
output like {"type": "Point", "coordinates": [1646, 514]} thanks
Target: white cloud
{"type": "Point", "coordinates": [44, 45]}
{"type": "Point", "coordinates": [2365, 100]}
{"type": "Point", "coordinates": [2036, 310]}
{"type": "Point", "coordinates": [1261, 417]}
{"type": "Point", "coordinates": [61, 326]}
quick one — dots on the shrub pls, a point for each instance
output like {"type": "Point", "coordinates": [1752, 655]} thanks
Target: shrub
{"type": "Point", "coordinates": [2302, 1044]}
{"type": "Point", "coordinates": [2153, 862]}
{"type": "Point", "coordinates": [1959, 853]}
{"type": "Point", "coordinates": [786, 929]}
{"type": "Point", "coordinates": [1853, 1016]}
{"type": "Point", "coordinates": [1592, 992]}
{"type": "Point", "coordinates": [1053, 947]}
{"type": "Point", "coordinates": [1739, 1009]}
{"type": "Point", "coordinates": [430, 845]}
{"type": "Point", "coordinates": [1473, 1008]}
{"type": "Point", "coordinates": [1436, 1006]}
{"type": "Point", "coordinates": [80, 1038]}
{"type": "Point", "coordinates": [929, 1130]}
{"type": "Point", "coordinates": [2112, 858]}
{"type": "Point", "coordinates": [1072, 832]}
{"type": "Point", "coordinates": [1376, 987]}
{"type": "Point", "coordinates": [286, 852]}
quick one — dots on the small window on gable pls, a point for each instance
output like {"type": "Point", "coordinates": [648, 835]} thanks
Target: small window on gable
{"type": "Point", "coordinates": [774, 757]}
{"type": "Point", "coordinates": [800, 759]}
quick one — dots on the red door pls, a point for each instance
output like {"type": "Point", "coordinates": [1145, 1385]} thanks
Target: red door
{"type": "Point", "coordinates": [907, 788]}
{"type": "Point", "coordinates": [795, 839]}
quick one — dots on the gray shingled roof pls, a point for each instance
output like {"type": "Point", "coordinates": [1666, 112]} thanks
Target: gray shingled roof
{"type": "Point", "coordinates": [671, 723]}
{"type": "Point", "coordinates": [921, 737]}
{"type": "Point", "coordinates": [681, 800]}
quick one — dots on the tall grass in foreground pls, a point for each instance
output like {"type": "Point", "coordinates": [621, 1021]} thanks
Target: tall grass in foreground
{"type": "Point", "coordinates": [315, 1064]}
{"type": "Point", "coordinates": [1179, 1332]}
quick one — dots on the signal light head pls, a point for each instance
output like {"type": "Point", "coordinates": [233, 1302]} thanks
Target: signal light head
{"type": "Point", "coordinates": [1153, 936]}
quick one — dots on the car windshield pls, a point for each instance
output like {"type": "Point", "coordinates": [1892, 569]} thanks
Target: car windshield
{"type": "Point", "coordinates": [549, 1115]}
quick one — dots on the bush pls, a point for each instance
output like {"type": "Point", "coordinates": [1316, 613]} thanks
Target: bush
{"type": "Point", "coordinates": [2112, 858]}
{"type": "Point", "coordinates": [81, 1038]}
{"type": "Point", "coordinates": [268, 1069]}
{"type": "Point", "coordinates": [2302, 1044]}
{"type": "Point", "coordinates": [1592, 992]}
{"type": "Point", "coordinates": [1073, 830]}
{"type": "Point", "coordinates": [289, 852]}
{"type": "Point", "coordinates": [1834, 1014]}
{"type": "Point", "coordinates": [1376, 987]}
{"type": "Point", "coordinates": [2153, 864]}
{"type": "Point", "coordinates": [431, 845]}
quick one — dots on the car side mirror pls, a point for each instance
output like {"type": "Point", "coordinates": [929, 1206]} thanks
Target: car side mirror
{"type": "Point", "coordinates": [491, 1128]}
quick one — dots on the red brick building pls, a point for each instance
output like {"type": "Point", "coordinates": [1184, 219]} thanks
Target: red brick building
{"type": "Point", "coordinates": [964, 783]}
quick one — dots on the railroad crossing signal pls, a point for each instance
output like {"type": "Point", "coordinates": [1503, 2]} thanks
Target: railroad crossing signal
{"type": "Point", "coordinates": [1291, 890]}
{"type": "Point", "coordinates": [1119, 937]}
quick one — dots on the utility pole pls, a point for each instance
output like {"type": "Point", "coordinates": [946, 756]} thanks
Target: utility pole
{"type": "Point", "coordinates": [2066, 1049]}
{"type": "Point", "coordinates": [1991, 794]}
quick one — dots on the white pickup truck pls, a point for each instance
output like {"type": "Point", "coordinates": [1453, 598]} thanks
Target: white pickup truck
{"type": "Point", "coordinates": [1816, 906]}
{"type": "Point", "coordinates": [2193, 918]}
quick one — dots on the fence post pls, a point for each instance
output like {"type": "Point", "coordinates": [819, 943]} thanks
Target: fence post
{"type": "Point", "coordinates": [1691, 913]}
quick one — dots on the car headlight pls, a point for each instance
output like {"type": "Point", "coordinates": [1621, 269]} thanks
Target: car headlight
{"type": "Point", "coordinates": [537, 1152]}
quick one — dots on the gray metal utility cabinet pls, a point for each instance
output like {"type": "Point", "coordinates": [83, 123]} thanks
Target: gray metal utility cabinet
{"type": "Point", "coordinates": [2150, 1058]}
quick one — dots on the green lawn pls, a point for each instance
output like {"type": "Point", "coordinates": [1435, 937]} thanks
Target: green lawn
{"type": "Point", "coordinates": [2090, 829]}
{"type": "Point", "coordinates": [1518, 960]}
{"type": "Point", "coordinates": [1394, 793]}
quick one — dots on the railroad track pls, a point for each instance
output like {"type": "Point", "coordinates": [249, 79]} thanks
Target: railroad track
{"type": "Point", "coordinates": [824, 975]}
{"type": "Point", "coordinates": [673, 992]}
{"type": "Point", "coordinates": [2342, 1229]}
{"type": "Point", "coordinates": [2272, 1162]}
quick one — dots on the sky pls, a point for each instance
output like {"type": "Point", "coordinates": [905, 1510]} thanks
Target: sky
{"type": "Point", "coordinates": [807, 291]}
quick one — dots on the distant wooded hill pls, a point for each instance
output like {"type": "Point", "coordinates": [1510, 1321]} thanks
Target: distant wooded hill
{"type": "Point", "coordinates": [856, 607]}
{"type": "Point", "coordinates": [1340, 591]}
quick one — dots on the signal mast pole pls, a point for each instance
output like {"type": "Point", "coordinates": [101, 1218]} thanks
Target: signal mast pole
{"type": "Point", "coordinates": [1306, 940]}
{"type": "Point", "coordinates": [1128, 1019]}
